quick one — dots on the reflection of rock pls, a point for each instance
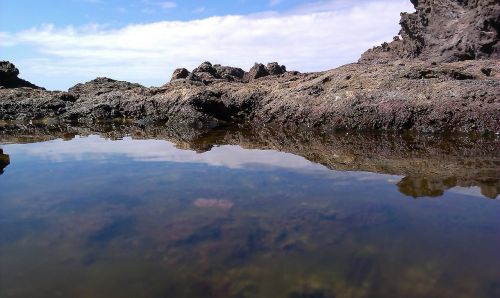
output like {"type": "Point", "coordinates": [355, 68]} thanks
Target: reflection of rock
{"type": "Point", "coordinates": [435, 186]}
{"type": "Point", "coordinates": [4, 161]}
{"type": "Point", "coordinates": [431, 164]}
{"type": "Point", "coordinates": [213, 203]}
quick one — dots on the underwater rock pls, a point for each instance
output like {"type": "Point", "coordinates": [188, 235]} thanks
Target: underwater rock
{"type": "Point", "coordinates": [213, 203]}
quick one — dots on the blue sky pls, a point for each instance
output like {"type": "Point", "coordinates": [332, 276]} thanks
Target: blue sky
{"type": "Point", "coordinates": [57, 43]}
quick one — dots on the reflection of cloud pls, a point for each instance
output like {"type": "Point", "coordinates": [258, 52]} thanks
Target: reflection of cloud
{"type": "Point", "coordinates": [94, 147]}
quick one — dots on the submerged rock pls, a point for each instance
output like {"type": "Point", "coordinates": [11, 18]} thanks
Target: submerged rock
{"type": "Point", "coordinates": [4, 161]}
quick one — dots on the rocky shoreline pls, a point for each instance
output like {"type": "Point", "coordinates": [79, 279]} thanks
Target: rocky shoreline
{"type": "Point", "coordinates": [442, 75]}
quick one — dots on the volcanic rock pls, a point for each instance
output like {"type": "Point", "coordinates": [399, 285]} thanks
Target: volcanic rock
{"type": "Point", "coordinates": [444, 31]}
{"type": "Point", "coordinates": [257, 71]}
{"type": "Point", "coordinates": [180, 73]}
{"type": "Point", "coordinates": [274, 68]}
{"type": "Point", "coordinates": [9, 77]}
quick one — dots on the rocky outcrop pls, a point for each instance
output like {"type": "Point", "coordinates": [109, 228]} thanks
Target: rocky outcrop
{"type": "Point", "coordinates": [444, 31]}
{"type": "Point", "coordinates": [416, 96]}
{"type": "Point", "coordinates": [4, 161]}
{"type": "Point", "coordinates": [180, 73]}
{"type": "Point", "coordinates": [415, 87]}
{"type": "Point", "coordinates": [9, 77]}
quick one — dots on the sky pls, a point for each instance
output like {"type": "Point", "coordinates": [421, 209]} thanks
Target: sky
{"type": "Point", "coordinates": [58, 43]}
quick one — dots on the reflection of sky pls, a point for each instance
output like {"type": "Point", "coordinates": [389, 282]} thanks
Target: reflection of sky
{"type": "Point", "coordinates": [229, 156]}
{"type": "Point", "coordinates": [94, 147]}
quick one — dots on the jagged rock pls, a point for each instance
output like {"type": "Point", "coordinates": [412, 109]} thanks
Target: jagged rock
{"type": "Point", "coordinates": [402, 94]}
{"type": "Point", "coordinates": [444, 31]}
{"type": "Point", "coordinates": [180, 73]}
{"type": "Point", "coordinates": [257, 71]}
{"type": "Point", "coordinates": [9, 77]}
{"type": "Point", "coordinates": [207, 68]}
{"type": "Point", "coordinates": [230, 73]}
{"type": "Point", "coordinates": [274, 68]}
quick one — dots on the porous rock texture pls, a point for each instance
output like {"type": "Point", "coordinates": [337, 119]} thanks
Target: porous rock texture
{"type": "Point", "coordinates": [445, 31]}
{"type": "Point", "coordinates": [442, 75]}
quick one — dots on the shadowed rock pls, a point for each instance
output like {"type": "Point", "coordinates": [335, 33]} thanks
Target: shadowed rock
{"type": "Point", "coordinates": [180, 73]}
{"type": "Point", "coordinates": [407, 90]}
{"type": "Point", "coordinates": [9, 77]}
{"type": "Point", "coordinates": [4, 161]}
{"type": "Point", "coordinates": [444, 30]}
{"type": "Point", "coordinates": [274, 68]}
{"type": "Point", "coordinates": [257, 71]}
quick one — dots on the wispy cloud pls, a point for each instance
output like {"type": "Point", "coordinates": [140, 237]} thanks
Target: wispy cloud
{"type": "Point", "coordinates": [308, 39]}
{"type": "Point", "coordinates": [167, 4]}
{"type": "Point", "coordinates": [275, 2]}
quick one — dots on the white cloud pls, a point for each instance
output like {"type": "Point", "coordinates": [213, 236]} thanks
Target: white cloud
{"type": "Point", "coordinates": [167, 4]}
{"type": "Point", "coordinates": [315, 37]}
{"type": "Point", "coordinates": [275, 2]}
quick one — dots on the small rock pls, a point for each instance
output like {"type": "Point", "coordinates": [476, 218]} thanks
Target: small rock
{"type": "Point", "coordinates": [257, 71]}
{"type": "Point", "coordinates": [180, 73]}
{"type": "Point", "coordinates": [275, 69]}
{"type": "Point", "coordinates": [206, 67]}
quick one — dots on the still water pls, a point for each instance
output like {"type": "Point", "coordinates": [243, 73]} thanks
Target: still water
{"type": "Point", "coordinates": [232, 214]}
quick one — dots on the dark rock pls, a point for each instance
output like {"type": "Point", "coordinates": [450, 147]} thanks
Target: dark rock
{"type": "Point", "coordinates": [444, 31]}
{"type": "Point", "coordinates": [4, 161]}
{"type": "Point", "coordinates": [275, 69]}
{"type": "Point", "coordinates": [102, 85]}
{"type": "Point", "coordinates": [230, 73]}
{"type": "Point", "coordinates": [9, 79]}
{"type": "Point", "coordinates": [257, 71]}
{"type": "Point", "coordinates": [180, 73]}
{"type": "Point", "coordinates": [207, 68]}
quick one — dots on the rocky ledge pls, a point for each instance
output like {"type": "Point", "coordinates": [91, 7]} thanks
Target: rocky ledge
{"type": "Point", "coordinates": [441, 75]}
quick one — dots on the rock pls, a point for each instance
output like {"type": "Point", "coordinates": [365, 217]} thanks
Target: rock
{"type": "Point", "coordinates": [444, 31]}
{"type": "Point", "coordinates": [102, 85]}
{"type": "Point", "coordinates": [257, 71]}
{"type": "Point", "coordinates": [274, 68]}
{"type": "Point", "coordinates": [180, 73]}
{"type": "Point", "coordinates": [230, 73]}
{"type": "Point", "coordinates": [4, 161]}
{"type": "Point", "coordinates": [9, 77]}
{"type": "Point", "coordinates": [207, 68]}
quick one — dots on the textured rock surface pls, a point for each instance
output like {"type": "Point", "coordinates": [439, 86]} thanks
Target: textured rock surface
{"type": "Point", "coordinates": [411, 87]}
{"type": "Point", "coordinates": [180, 73]}
{"type": "Point", "coordinates": [445, 30]}
{"type": "Point", "coordinates": [9, 77]}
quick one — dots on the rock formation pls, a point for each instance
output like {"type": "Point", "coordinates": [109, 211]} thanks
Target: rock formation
{"type": "Point", "coordinates": [444, 31]}
{"type": "Point", "coordinates": [415, 83]}
{"type": "Point", "coordinates": [9, 77]}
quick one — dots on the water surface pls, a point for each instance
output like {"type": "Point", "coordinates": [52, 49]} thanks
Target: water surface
{"type": "Point", "coordinates": [238, 214]}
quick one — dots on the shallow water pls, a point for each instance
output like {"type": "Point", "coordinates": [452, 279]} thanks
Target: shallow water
{"type": "Point", "coordinates": [236, 214]}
